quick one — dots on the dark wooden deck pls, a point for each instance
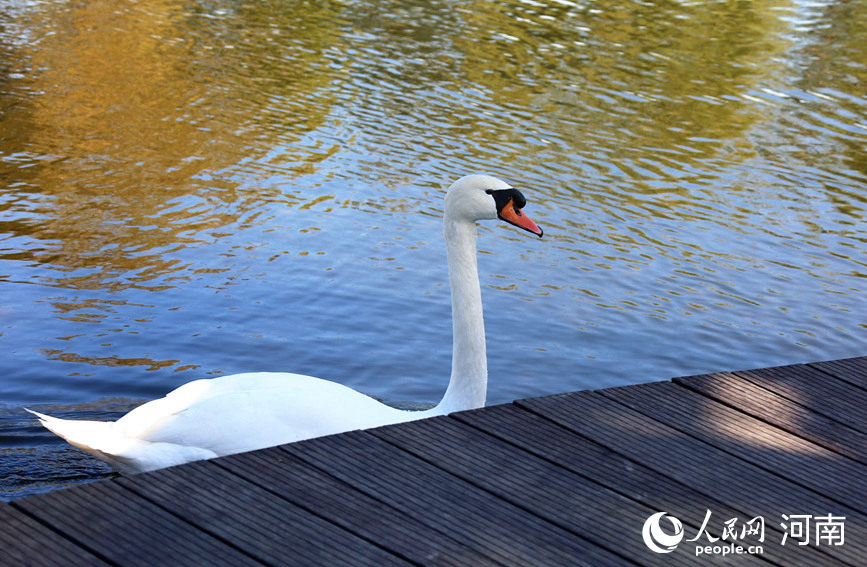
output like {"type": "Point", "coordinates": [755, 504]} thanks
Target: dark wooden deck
{"type": "Point", "coordinates": [562, 480]}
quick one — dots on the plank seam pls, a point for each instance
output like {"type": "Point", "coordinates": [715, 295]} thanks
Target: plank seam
{"type": "Point", "coordinates": [709, 495]}
{"type": "Point", "coordinates": [507, 500]}
{"type": "Point", "coordinates": [620, 492]}
{"type": "Point", "coordinates": [63, 535]}
{"type": "Point", "coordinates": [829, 372]}
{"type": "Point", "coordinates": [130, 487]}
{"type": "Point", "coordinates": [756, 464]}
{"type": "Point", "coordinates": [710, 500]}
{"type": "Point", "coordinates": [312, 462]}
{"type": "Point", "coordinates": [547, 459]}
{"type": "Point", "coordinates": [312, 510]}
{"type": "Point", "coordinates": [372, 494]}
{"type": "Point", "coordinates": [684, 383]}
{"type": "Point", "coordinates": [749, 376]}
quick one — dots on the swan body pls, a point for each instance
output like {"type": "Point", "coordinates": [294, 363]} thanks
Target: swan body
{"type": "Point", "coordinates": [242, 412]}
{"type": "Point", "coordinates": [221, 416]}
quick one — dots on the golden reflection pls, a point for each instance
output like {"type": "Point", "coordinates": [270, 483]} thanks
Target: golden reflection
{"type": "Point", "coordinates": [53, 354]}
{"type": "Point", "coordinates": [131, 113]}
{"type": "Point", "coordinates": [829, 58]}
{"type": "Point", "coordinates": [666, 76]}
{"type": "Point", "coordinates": [132, 132]}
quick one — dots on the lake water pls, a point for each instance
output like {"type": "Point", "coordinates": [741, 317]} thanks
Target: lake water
{"type": "Point", "coordinates": [191, 189]}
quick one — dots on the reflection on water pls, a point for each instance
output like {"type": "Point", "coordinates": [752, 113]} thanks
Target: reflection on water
{"type": "Point", "coordinates": [193, 189]}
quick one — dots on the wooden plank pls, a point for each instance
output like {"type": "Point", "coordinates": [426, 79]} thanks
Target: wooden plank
{"type": "Point", "coordinates": [834, 398]}
{"type": "Point", "coordinates": [657, 491]}
{"type": "Point", "coordinates": [714, 473]}
{"type": "Point", "coordinates": [401, 533]}
{"type": "Point", "coordinates": [781, 412]}
{"type": "Point", "coordinates": [452, 506]}
{"type": "Point", "coordinates": [125, 529]}
{"type": "Point", "coordinates": [543, 488]}
{"type": "Point", "coordinates": [27, 543]}
{"type": "Point", "coordinates": [773, 449]}
{"type": "Point", "coordinates": [594, 461]}
{"type": "Point", "coordinates": [852, 370]}
{"type": "Point", "coordinates": [259, 523]}
{"type": "Point", "coordinates": [563, 480]}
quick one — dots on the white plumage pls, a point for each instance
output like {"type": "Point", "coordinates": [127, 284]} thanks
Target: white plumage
{"type": "Point", "coordinates": [243, 412]}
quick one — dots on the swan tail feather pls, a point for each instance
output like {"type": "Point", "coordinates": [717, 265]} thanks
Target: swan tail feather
{"type": "Point", "coordinates": [90, 436]}
{"type": "Point", "coordinates": [107, 442]}
{"type": "Point", "coordinates": [98, 438]}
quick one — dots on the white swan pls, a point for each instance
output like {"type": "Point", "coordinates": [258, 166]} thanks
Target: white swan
{"type": "Point", "coordinates": [243, 412]}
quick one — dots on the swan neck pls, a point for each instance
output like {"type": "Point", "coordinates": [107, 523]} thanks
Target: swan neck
{"type": "Point", "coordinates": [469, 378]}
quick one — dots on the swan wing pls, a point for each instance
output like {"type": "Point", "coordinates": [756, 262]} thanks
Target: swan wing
{"type": "Point", "coordinates": [250, 411]}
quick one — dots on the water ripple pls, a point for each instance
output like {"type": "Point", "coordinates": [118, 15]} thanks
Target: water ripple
{"type": "Point", "coordinates": [195, 189]}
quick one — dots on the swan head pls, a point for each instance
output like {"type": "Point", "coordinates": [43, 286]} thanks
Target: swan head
{"type": "Point", "coordinates": [483, 197]}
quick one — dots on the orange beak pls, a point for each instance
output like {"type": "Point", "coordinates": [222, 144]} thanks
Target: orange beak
{"type": "Point", "coordinates": [513, 215]}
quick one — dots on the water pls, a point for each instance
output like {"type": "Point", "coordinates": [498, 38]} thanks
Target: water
{"type": "Point", "coordinates": [196, 189]}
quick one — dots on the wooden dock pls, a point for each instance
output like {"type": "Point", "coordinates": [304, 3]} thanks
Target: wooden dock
{"type": "Point", "coordinates": [568, 479]}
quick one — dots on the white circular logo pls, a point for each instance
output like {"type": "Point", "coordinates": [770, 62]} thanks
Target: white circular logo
{"type": "Point", "coordinates": [658, 540]}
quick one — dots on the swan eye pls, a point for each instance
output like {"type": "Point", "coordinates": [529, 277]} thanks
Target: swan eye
{"type": "Point", "coordinates": [503, 196]}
